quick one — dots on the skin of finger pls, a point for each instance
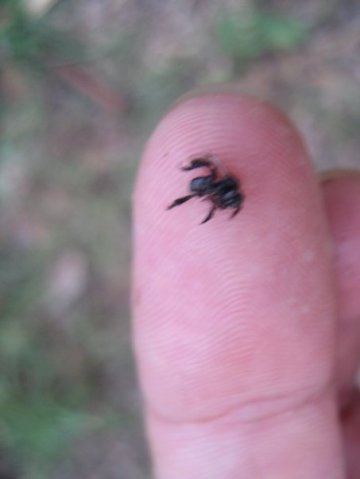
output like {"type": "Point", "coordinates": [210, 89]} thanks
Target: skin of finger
{"type": "Point", "coordinates": [342, 200]}
{"type": "Point", "coordinates": [234, 320]}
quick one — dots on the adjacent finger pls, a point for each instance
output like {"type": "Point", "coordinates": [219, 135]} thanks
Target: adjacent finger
{"type": "Point", "coordinates": [342, 200]}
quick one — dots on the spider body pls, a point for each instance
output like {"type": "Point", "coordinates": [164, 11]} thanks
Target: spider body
{"type": "Point", "coordinates": [222, 191]}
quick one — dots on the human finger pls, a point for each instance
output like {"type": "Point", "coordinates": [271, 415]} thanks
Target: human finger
{"type": "Point", "coordinates": [234, 320]}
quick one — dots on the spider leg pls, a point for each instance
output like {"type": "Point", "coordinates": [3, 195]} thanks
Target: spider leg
{"type": "Point", "coordinates": [236, 212]}
{"type": "Point", "coordinates": [180, 201]}
{"type": "Point", "coordinates": [199, 163]}
{"type": "Point", "coordinates": [209, 215]}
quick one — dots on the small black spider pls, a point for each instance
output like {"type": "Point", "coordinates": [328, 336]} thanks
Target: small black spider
{"type": "Point", "coordinates": [222, 192]}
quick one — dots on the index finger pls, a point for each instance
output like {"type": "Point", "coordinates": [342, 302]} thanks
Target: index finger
{"type": "Point", "coordinates": [234, 320]}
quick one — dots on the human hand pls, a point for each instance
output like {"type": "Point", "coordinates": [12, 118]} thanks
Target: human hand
{"type": "Point", "coordinates": [246, 330]}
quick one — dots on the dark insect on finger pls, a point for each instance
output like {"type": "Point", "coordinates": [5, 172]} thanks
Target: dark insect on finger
{"type": "Point", "coordinates": [223, 191]}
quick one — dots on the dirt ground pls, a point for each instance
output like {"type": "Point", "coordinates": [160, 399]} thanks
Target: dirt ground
{"type": "Point", "coordinates": [83, 83]}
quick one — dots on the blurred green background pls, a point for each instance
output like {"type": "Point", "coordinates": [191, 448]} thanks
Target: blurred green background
{"type": "Point", "coordinates": [83, 82]}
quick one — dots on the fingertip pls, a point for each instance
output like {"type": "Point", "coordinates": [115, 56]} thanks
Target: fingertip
{"type": "Point", "coordinates": [246, 136]}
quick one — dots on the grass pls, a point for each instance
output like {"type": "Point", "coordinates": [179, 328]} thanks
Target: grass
{"type": "Point", "coordinates": [246, 37]}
